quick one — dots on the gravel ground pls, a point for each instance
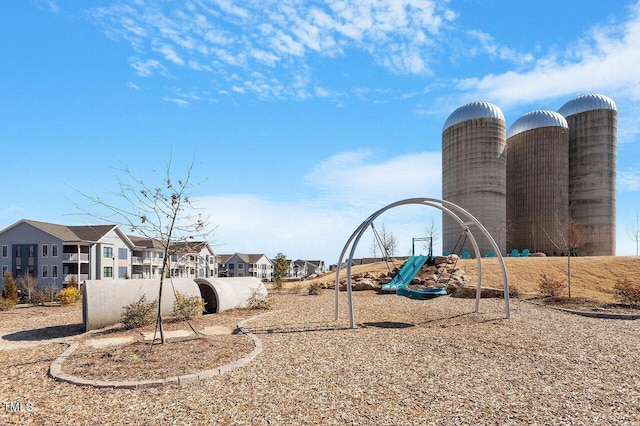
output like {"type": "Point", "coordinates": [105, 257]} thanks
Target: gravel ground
{"type": "Point", "coordinates": [407, 363]}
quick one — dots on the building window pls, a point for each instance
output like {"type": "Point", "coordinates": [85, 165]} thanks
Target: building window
{"type": "Point", "coordinates": [54, 271]}
{"type": "Point", "coordinates": [107, 272]}
{"type": "Point", "coordinates": [31, 251]}
{"type": "Point", "coordinates": [107, 252]}
{"type": "Point", "coordinates": [240, 265]}
{"type": "Point", "coordinates": [123, 253]}
{"type": "Point", "coordinates": [18, 251]}
{"type": "Point", "coordinates": [122, 272]}
{"type": "Point", "coordinates": [45, 271]}
{"type": "Point", "coordinates": [5, 251]}
{"type": "Point", "coordinates": [5, 269]}
{"type": "Point", "coordinates": [54, 250]}
{"type": "Point", "coordinates": [45, 250]}
{"type": "Point", "coordinates": [231, 265]}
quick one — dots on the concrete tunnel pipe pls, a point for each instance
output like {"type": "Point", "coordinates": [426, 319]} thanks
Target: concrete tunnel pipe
{"type": "Point", "coordinates": [222, 294]}
{"type": "Point", "coordinates": [103, 300]}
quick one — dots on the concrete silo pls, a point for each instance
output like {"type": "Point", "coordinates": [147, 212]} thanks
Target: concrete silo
{"type": "Point", "coordinates": [593, 138]}
{"type": "Point", "coordinates": [537, 182]}
{"type": "Point", "coordinates": [474, 171]}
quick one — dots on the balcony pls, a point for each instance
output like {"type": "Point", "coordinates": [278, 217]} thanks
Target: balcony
{"type": "Point", "coordinates": [75, 257]}
{"type": "Point", "coordinates": [78, 279]}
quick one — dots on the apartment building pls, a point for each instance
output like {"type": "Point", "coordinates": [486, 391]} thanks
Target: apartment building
{"type": "Point", "coordinates": [56, 254]}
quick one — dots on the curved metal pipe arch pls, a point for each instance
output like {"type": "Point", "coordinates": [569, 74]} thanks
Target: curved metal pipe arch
{"type": "Point", "coordinates": [447, 208]}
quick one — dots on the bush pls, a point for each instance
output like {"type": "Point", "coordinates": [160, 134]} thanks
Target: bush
{"type": "Point", "coordinates": [550, 286]}
{"type": "Point", "coordinates": [6, 304]}
{"type": "Point", "coordinates": [67, 296]}
{"type": "Point", "coordinates": [315, 289]}
{"type": "Point", "coordinates": [9, 289]}
{"type": "Point", "coordinates": [627, 292]}
{"type": "Point", "coordinates": [186, 307]}
{"type": "Point", "coordinates": [514, 291]}
{"type": "Point", "coordinates": [72, 282]}
{"type": "Point", "coordinates": [39, 298]}
{"type": "Point", "coordinates": [258, 301]}
{"type": "Point", "coordinates": [138, 313]}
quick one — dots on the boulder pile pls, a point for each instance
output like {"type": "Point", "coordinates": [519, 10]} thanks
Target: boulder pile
{"type": "Point", "coordinates": [444, 273]}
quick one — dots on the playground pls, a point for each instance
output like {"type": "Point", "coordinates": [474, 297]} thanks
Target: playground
{"type": "Point", "coordinates": [406, 362]}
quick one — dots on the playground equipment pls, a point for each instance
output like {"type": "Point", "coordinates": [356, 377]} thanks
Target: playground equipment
{"type": "Point", "coordinates": [103, 300]}
{"type": "Point", "coordinates": [431, 293]}
{"type": "Point", "coordinates": [405, 275]}
{"type": "Point", "coordinates": [447, 208]}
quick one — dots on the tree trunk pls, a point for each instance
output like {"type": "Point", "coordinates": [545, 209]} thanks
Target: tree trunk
{"type": "Point", "coordinates": [569, 273]}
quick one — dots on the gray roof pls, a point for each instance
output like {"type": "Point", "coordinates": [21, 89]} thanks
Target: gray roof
{"type": "Point", "coordinates": [537, 119]}
{"type": "Point", "coordinates": [475, 109]}
{"type": "Point", "coordinates": [145, 242]}
{"type": "Point", "coordinates": [588, 102]}
{"type": "Point", "coordinates": [89, 233]}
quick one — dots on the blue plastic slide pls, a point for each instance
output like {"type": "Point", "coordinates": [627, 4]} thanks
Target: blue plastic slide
{"type": "Point", "coordinates": [406, 274]}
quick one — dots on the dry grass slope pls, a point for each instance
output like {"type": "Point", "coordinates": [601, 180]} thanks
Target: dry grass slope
{"type": "Point", "coordinates": [591, 277]}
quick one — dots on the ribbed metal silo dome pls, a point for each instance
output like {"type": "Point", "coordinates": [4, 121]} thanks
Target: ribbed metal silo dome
{"type": "Point", "coordinates": [537, 181]}
{"type": "Point", "coordinates": [593, 139]}
{"type": "Point", "coordinates": [474, 171]}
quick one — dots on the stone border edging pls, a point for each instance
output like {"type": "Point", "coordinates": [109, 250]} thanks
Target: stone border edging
{"type": "Point", "coordinates": [55, 370]}
{"type": "Point", "coordinates": [589, 314]}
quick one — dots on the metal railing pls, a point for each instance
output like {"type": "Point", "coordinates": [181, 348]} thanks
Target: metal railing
{"type": "Point", "coordinates": [75, 257]}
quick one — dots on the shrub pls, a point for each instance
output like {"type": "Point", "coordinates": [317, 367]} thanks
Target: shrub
{"type": "Point", "coordinates": [6, 304]}
{"type": "Point", "coordinates": [39, 298]}
{"type": "Point", "coordinates": [9, 289]}
{"type": "Point", "coordinates": [315, 289]}
{"type": "Point", "coordinates": [258, 301]}
{"type": "Point", "coordinates": [550, 286]}
{"type": "Point", "coordinates": [514, 291]}
{"type": "Point", "coordinates": [72, 282]}
{"type": "Point", "coordinates": [627, 292]}
{"type": "Point", "coordinates": [138, 313]}
{"type": "Point", "coordinates": [186, 307]}
{"type": "Point", "coordinates": [67, 296]}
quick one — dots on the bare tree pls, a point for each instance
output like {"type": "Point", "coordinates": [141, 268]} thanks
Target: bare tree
{"type": "Point", "coordinates": [432, 232]}
{"type": "Point", "coordinates": [567, 237]}
{"type": "Point", "coordinates": [634, 232]}
{"type": "Point", "coordinates": [29, 284]}
{"type": "Point", "coordinates": [162, 211]}
{"type": "Point", "coordinates": [389, 241]}
{"type": "Point", "coordinates": [374, 247]}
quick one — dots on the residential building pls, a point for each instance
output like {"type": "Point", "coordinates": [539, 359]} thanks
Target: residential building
{"type": "Point", "coordinates": [192, 259]}
{"type": "Point", "coordinates": [304, 268]}
{"type": "Point", "coordinates": [245, 265]}
{"type": "Point", "coordinates": [56, 254]}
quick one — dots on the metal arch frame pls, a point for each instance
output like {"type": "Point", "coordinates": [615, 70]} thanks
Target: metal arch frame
{"type": "Point", "coordinates": [446, 207]}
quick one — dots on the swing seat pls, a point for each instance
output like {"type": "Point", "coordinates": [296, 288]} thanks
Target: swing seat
{"type": "Point", "coordinates": [425, 294]}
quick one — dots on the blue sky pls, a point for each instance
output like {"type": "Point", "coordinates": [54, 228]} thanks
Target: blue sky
{"type": "Point", "coordinates": [303, 117]}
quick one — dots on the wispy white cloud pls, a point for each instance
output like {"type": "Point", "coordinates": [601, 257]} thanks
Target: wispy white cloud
{"type": "Point", "coordinates": [355, 177]}
{"type": "Point", "coordinates": [344, 190]}
{"type": "Point", "coordinates": [169, 53]}
{"type": "Point", "coordinates": [212, 36]}
{"type": "Point", "coordinates": [133, 86]}
{"type": "Point", "coordinates": [606, 60]}
{"type": "Point", "coordinates": [49, 5]}
{"type": "Point", "coordinates": [177, 101]}
{"type": "Point", "coordinates": [629, 180]}
{"type": "Point", "coordinates": [146, 68]}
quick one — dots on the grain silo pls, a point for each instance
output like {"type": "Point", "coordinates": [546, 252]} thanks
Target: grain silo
{"type": "Point", "coordinates": [474, 171]}
{"type": "Point", "coordinates": [593, 137]}
{"type": "Point", "coordinates": [537, 182]}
